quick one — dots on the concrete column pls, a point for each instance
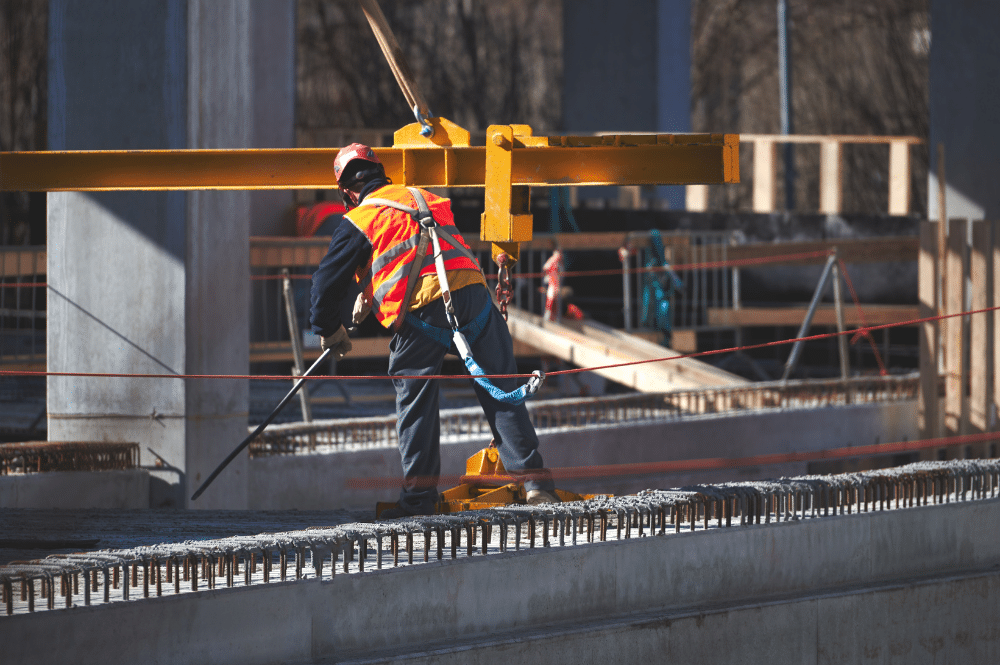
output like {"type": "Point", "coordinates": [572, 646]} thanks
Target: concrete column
{"type": "Point", "coordinates": [154, 282]}
{"type": "Point", "coordinates": [273, 71]}
{"type": "Point", "coordinates": [964, 85]}
{"type": "Point", "coordinates": [627, 68]}
{"type": "Point", "coordinates": [673, 80]}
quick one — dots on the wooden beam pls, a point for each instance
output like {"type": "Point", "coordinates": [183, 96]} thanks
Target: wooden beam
{"type": "Point", "coordinates": [276, 252]}
{"type": "Point", "coordinates": [696, 198]}
{"type": "Point", "coordinates": [930, 403]}
{"type": "Point", "coordinates": [899, 178]}
{"type": "Point", "coordinates": [22, 262]}
{"type": "Point", "coordinates": [994, 415]}
{"type": "Point", "coordinates": [765, 169]}
{"type": "Point", "coordinates": [851, 250]}
{"type": "Point", "coordinates": [590, 344]}
{"type": "Point", "coordinates": [956, 373]}
{"type": "Point", "coordinates": [980, 353]}
{"type": "Point", "coordinates": [825, 315]}
{"type": "Point", "coordinates": [830, 177]}
{"type": "Point", "coordinates": [280, 252]}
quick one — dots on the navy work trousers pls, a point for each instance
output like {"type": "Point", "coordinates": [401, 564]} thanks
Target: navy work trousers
{"type": "Point", "coordinates": [414, 353]}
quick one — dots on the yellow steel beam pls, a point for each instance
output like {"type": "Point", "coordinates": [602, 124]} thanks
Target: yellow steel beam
{"type": "Point", "coordinates": [535, 161]}
{"type": "Point", "coordinates": [512, 161]}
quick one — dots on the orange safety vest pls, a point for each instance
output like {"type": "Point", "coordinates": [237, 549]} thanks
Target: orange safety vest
{"type": "Point", "coordinates": [394, 236]}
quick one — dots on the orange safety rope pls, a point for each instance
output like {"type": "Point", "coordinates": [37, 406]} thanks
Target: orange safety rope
{"type": "Point", "coordinates": [696, 354]}
{"type": "Point", "coordinates": [863, 331]}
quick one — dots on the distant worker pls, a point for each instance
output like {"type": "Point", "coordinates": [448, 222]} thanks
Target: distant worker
{"type": "Point", "coordinates": [376, 245]}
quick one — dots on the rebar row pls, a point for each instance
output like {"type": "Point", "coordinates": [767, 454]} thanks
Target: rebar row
{"type": "Point", "coordinates": [42, 456]}
{"type": "Point", "coordinates": [112, 575]}
{"type": "Point", "coordinates": [597, 411]}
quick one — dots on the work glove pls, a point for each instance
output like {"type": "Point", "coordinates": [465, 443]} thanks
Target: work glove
{"type": "Point", "coordinates": [339, 342]}
{"type": "Point", "coordinates": [362, 308]}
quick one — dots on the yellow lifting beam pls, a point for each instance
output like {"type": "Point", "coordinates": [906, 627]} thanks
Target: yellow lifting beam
{"type": "Point", "coordinates": [511, 161]}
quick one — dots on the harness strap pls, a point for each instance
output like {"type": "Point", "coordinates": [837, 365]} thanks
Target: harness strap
{"type": "Point", "coordinates": [429, 230]}
{"type": "Point", "coordinates": [471, 330]}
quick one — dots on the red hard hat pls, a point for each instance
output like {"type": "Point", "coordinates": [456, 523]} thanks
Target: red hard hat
{"type": "Point", "coordinates": [349, 154]}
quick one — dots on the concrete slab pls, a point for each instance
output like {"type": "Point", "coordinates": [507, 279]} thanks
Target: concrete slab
{"type": "Point", "coordinates": [76, 489]}
{"type": "Point", "coordinates": [899, 623]}
{"type": "Point", "coordinates": [816, 590]}
{"type": "Point", "coordinates": [321, 479]}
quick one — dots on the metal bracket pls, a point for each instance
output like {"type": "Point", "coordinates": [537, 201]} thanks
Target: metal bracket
{"type": "Point", "coordinates": [506, 220]}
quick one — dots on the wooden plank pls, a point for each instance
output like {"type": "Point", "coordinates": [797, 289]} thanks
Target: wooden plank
{"type": "Point", "coordinates": [22, 261]}
{"type": "Point", "coordinates": [276, 252]}
{"type": "Point", "coordinates": [684, 341]}
{"type": "Point", "coordinates": [980, 359]}
{"type": "Point", "coordinates": [899, 178]}
{"type": "Point", "coordinates": [930, 426]}
{"type": "Point", "coordinates": [591, 345]}
{"type": "Point", "coordinates": [696, 198]}
{"type": "Point", "coordinates": [955, 369]}
{"type": "Point", "coordinates": [830, 178]}
{"type": "Point", "coordinates": [825, 315]}
{"type": "Point", "coordinates": [819, 138]}
{"type": "Point", "coordinates": [765, 169]}
{"type": "Point", "coordinates": [851, 250]}
{"type": "Point", "coordinates": [993, 418]}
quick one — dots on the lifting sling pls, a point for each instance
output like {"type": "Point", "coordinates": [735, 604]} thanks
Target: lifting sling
{"type": "Point", "coordinates": [430, 232]}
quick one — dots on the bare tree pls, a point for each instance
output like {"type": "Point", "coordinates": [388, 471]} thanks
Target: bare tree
{"type": "Point", "coordinates": [859, 67]}
{"type": "Point", "coordinates": [23, 45]}
{"type": "Point", "coordinates": [476, 62]}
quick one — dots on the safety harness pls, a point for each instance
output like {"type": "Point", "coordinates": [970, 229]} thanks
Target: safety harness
{"type": "Point", "coordinates": [458, 339]}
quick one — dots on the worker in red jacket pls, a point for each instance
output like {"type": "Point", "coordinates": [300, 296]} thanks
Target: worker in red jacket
{"type": "Point", "coordinates": [374, 249]}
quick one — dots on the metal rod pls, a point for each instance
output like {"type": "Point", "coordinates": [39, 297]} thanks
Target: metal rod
{"type": "Point", "coordinates": [785, 92]}
{"type": "Point", "coordinates": [793, 357]}
{"type": "Point", "coordinates": [838, 304]}
{"type": "Point", "coordinates": [260, 428]}
{"type": "Point", "coordinates": [296, 337]}
{"type": "Point", "coordinates": [394, 56]}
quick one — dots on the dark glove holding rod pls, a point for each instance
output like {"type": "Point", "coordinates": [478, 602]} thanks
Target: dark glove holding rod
{"type": "Point", "coordinates": [338, 343]}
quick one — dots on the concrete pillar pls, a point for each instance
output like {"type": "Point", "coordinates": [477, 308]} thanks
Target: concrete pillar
{"type": "Point", "coordinates": [155, 282]}
{"type": "Point", "coordinates": [627, 68]}
{"type": "Point", "coordinates": [273, 71]}
{"type": "Point", "coordinates": [964, 87]}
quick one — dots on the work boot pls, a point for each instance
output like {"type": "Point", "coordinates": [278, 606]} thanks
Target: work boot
{"type": "Point", "coordinates": [538, 497]}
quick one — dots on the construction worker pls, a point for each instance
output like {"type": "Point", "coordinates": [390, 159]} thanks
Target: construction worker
{"type": "Point", "coordinates": [373, 249]}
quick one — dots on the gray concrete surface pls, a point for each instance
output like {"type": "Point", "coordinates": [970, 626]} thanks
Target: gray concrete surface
{"type": "Point", "coordinates": [964, 85]}
{"type": "Point", "coordinates": [914, 585]}
{"type": "Point", "coordinates": [34, 533]}
{"type": "Point", "coordinates": [75, 490]}
{"type": "Point", "coordinates": [892, 623]}
{"type": "Point", "coordinates": [320, 480]}
{"type": "Point", "coordinates": [156, 282]}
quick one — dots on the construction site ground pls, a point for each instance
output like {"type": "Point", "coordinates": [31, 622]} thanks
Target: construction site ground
{"type": "Point", "coordinates": [34, 533]}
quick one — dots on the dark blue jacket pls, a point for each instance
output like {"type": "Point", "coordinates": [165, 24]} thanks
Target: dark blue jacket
{"type": "Point", "coordinates": [333, 285]}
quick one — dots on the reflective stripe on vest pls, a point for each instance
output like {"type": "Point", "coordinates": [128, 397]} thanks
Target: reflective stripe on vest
{"type": "Point", "coordinates": [394, 236]}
